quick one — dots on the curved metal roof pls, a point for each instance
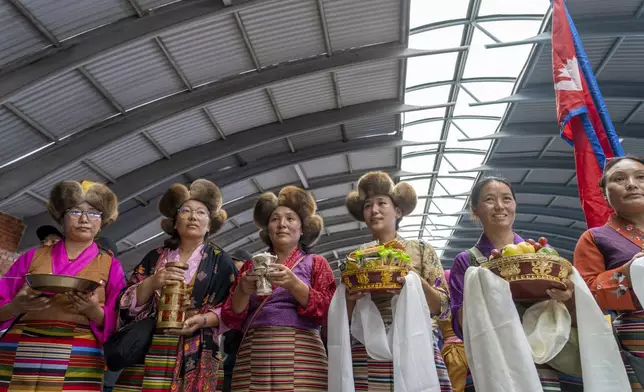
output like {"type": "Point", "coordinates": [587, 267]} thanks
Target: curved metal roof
{"type": "Point", "coordinates": [258, 94]}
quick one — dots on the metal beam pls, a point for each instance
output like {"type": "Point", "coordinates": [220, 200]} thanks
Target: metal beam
{"type": "Point", "coordinates": [522, 164]}
{"type": "Point", "coordinates": [255, 168]}
{"type": "Point", "coordinates": [550, 129]}
{"type": "Point", "coordinates": [535, 209]}
{"type": "Point", "coordinates": [545, 93]}
{"type": "Point", "coordinates": [104, 40]}
{"type": "Point", "coordinates": [173, 63]}
{"type": "Point", "coordinates": [588, 28]}
{"type": "Point", "coordinates": [463, 81]}
{"type": "Point", "coordinates": [478, 19]}
{"type": "Point", "coordinates": [102, 90]}
{"type": "Point", "coordinates": [461, 60]}
{"type": "Point", "coordinates": [85, 142]}
{"type": "Point", "coordinates": [33, 124]}
{"type": "Point", "coordinates": [37, 24]}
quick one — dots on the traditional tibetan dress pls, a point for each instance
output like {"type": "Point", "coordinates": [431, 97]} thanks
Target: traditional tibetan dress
{"type": "Point", "coordinates": [282, 349]}
{"type": "Point", "coordinates": [600, 256]}
{"type": "Point", "coordinates": [179, 363]}
{"type": "Point", "coordinates": [57, 349]}
{"type": "Point", "coordinates": [551, 379]}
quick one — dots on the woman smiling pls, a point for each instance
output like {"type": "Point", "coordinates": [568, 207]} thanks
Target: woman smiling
{"type": "Point", "coordinates": [281, 349]}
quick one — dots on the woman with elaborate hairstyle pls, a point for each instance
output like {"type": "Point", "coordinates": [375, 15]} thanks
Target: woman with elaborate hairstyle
{"type": "Point", "coordinates": [523, 346]}
{"type": "Point", "coordinates": [184, 359]}
{"type": "Point", "coordinates": [281, 349]}
{"type": "Point", "coordinates": [609, 259]}
{"type": "Point", "coordinates": [381, 204]}
{"type": "Point", "coordinates": [54, 342]}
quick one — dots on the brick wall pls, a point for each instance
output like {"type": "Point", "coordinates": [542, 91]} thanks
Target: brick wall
{"type": "Point", "coordinates": [11, 230]}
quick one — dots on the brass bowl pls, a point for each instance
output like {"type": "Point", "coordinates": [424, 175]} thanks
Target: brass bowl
{"type": "Point", "coordinates": [531, 274]}
{"type": "Point", "coordinates": [374, 279]}
{"type": "Point", "coordinates": [50, 283]}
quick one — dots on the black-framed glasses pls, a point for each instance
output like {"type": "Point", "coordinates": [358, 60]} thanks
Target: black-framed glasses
{"type": "Point", "coordinates": [76, 213]}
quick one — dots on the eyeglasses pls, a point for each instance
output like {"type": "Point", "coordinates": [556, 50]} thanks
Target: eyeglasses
{"type": "Point", "coordinates": [91, 215]}
{"type": "Point", "coordinates": [186, 212]}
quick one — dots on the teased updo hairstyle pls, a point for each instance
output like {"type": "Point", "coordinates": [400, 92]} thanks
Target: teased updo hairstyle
{"type": "Point", "coordinates": [612, 162]}
{"type": "Point", "coordinates": [475, 195]}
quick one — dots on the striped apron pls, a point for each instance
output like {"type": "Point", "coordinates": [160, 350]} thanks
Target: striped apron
{"type": "Point", "coordinates": [44, 356]}
{"type": "Point", "coordinates": [285, 359]}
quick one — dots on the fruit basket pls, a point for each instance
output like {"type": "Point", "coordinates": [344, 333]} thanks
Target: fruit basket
{"type": "Point", "coordinates": [376, 267]}
{"type": "Point", "coordinates": [531, 268]}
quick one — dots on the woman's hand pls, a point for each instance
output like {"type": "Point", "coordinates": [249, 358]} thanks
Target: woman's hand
{"type": "Point", "coordinates": [282, 276]}
{"type": "Point", "coordinates": [190, 326]}
{"type": "Point", "coordinates": [166, 276]}
{"type": "Point", "coordinates": [248, 283]}
{"type": "Point", "coordinates": [29, 300]}
{"type": "Point", "coordinates": [84, 303]}
{"type": "Point", "coordinates": [562, 295]}
{"type": "Point", "coordinates": [627, 266]}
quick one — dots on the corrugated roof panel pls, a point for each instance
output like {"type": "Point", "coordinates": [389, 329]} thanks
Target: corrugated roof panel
{"type": "Point", "coordinates": [17, 38]}
{"type": "Point", "coordinates": [588, 8]}
{"type": "Point", "coordinates": [243, 111]}
{"type": "Point", "coordinates": [209, 50]}
{"type": "Point", "coordinates": [317, 138]}
{"type": "Point", "coordinates": [559, 145]}
{"type": "Point", "coordinates": [554, 177]}
{"type": "Point", "coordinates": [533, 199]}
{"type": "Point", "coordinates": [284, 31]}
{"type": "Point", "coordinates": [145, 232]}
{"type": "Point", "coordinates": [244, 217]}
{"type": "Point", "coordinates": [521, 145]}
{"type": "Point", "coordinates": [329, 192]}
{"type": "Point", "coordinates": [269, 149]}
{"type": "Point", "coordinates": [17, 137]}
{"type": "Point", "coordinates": [618, 109]}
{"type": "Point", "coordinates": [136, 74]}
{"type": "Point", "coordinates": [380, 125]}
{"type": "Point", "coordinates": [237, 190]}
{"type": "Point", "coordinates": [626, 63]}
{"type": "Point", "coordinates": [363, 160]}
{"type": "Point", "coordinates": [302, 96]}
{"type": "Point", "coordinates": [354, 23]}
{"type": "Point", "coordinates": [184, 131]}
{"type": "Point", "coordinates": [23, 206]}
{"type": "Point", "coordinates": [216, 167]}
{"type": "Point", "coordinates": [343, 227]}
{"type": "Point", "coordinates": [335, 211]}
{"type": "Point", "coordinates": [633, 146]}
{"type": "Point", "coordinates": [534, 112]}
{"type": "Point", "coordinates": [237, 244]}
{"type": "Point", "coordinates": [159, 189]}
{"type": "Point", "coordinates": [146, 5]}
{"type": "Point", "coordinates": [567, 202]}
{"type": "Point", "coordinates": [279, 177]}
{"type": "Point", "coordinates": [76, 172]}
{"type": "Point", "coordinates": [64, 105]}
{"type": "Point", "coordinates": [551, 220]}
{"type": "Point", "coordinates": [125, 155]}
{"type": "Point", "coordinates": [325, 166]}
{"type": "Point", "coordinates": [369, 83]}
{"type": "Point", "coordinates": [67, 18]}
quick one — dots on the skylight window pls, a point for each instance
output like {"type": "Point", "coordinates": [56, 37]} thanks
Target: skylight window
{"type": "Point", "coordinates": [488, 74]}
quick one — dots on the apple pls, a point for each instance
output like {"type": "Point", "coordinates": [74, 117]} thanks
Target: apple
{"type": "Point", "coordinates": [531, 242]}
{"type": "Point", "coordinates": [510, 250]}
{"type": "Point", "coordinates": [543, 241]}
{"type": "Point", "coordinates": [548, 251]}
{"type": "Point", "coordinates": [537, 246]}
{"type": "Point", "coordinates": [526, 247]}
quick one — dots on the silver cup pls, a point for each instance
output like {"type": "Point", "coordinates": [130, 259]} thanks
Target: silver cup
{"type": "Point", "coordinates": [261, 266]}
